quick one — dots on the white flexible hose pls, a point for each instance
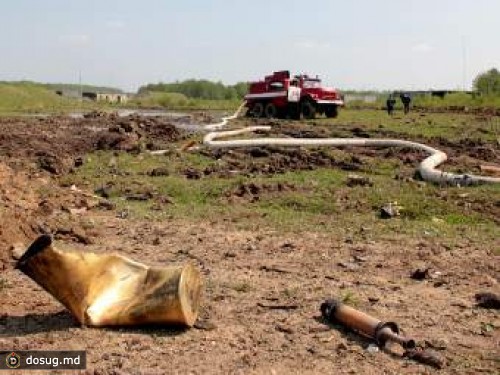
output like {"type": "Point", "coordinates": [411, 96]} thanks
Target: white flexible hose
{"type": "Point", "coordinates": [225, 120]}
{"type": "Point", "coordinates": [427, 168]}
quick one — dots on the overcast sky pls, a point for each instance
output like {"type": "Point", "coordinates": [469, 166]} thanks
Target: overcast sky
{"type": "Point", "coordinates": [352, 44]}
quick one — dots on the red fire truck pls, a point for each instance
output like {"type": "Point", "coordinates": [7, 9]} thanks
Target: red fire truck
{"type": "Point", "coordinates": [280, 95]}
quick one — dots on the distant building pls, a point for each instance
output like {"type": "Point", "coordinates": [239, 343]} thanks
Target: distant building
{"type": "Point", "coordinates": [439, 93]}
{"type": "Point", "coordinates": [69, 93]}
{"type": "Point", "coordinates": [106, 97]}
{"type": "Point", "coordinates": [109, 97]}
{"type": "Point", "coordinates": [366, 98]}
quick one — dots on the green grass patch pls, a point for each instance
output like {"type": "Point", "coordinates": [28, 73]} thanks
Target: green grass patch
{"type": "Point", "coordinates": [453, 127]}
{"type": "Point", "coordinates": [320, 200]}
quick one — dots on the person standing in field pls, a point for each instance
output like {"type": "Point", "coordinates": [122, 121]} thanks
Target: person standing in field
{"type": "Point", "coordinates": [406, 99]}
{"type": "Point", "coordinates": [390, 103]}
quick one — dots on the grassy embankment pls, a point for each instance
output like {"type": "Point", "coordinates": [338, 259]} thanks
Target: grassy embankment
{"type": "Point", "coordinates": [320, 199]}
{"type": "Point", "coordinates": [176, 101]}
{"type": "Point", "coordinates": [32, 98]}
{"type": "Point", "coordinates": [27, 97]}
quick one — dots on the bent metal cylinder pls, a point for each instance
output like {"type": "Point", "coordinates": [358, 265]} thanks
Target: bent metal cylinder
{"type": "Point", "coordinates": [110, 290]}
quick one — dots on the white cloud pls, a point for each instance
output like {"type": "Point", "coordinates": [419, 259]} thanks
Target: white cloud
{"type": "Point", "coordinates": [115, 24]}
{"type": "Point", "coordinates": [311, 44]}
{"type": "Point", "coordinates": [422, 47]}
{"type": "Point", "coordinates": [75, 40]}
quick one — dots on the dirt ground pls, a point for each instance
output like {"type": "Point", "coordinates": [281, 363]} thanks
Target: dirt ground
{"type": "Point", "coordinates": [262, 287]}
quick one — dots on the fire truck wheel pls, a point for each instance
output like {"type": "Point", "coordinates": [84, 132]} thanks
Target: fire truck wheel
{"type": "Point", "coordinates": [331, 111]}
{"type": "Point", "coordinates": [308, 110]}
{"type": "Point", "coordinates": [258, 110]}
{"type": "Point", "coordinates": [271, 110]}
{"type": "Point", "coordinates": [294, 111]}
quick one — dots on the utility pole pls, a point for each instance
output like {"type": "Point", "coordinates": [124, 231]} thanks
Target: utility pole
{"type": "Point", "coordinates": [80, 85]}
{"type": "Point", "coordinates": [464, 64]}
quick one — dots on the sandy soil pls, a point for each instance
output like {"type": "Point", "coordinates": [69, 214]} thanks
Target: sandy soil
{"type": "Point", "coordinates": [262, 288]}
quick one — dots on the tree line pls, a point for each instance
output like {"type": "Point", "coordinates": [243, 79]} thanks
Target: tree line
{"type": "Point", "coordinates": [200, 89]}
{"type": "Point", "coordinates": [488, 83]}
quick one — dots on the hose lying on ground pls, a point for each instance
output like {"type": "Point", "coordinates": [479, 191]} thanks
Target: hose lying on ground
{"type": "Point", "coordinates": [427, 168]}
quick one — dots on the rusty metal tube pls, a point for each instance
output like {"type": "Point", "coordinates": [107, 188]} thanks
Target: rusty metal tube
{"type": "Point", "coordinates": [368, 326]}
{"type": "Point", "coordinates": [382, 332]}
{"type": "Point", "coordinates": [109, 289]}
{"type": "Point", "coordinates": [357, 320]}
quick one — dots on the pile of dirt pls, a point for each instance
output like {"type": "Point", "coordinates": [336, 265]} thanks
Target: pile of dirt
{"type": "Point", "coordinates": [474, 148]}
{"type": "Point", "coordinates": [253, 191]}
{"type": "Point", "coordinates": [477, 150]}
{"type": "Point", "coordinates": [274, 160]}
{"type": "Point", "coordinates": [31, 204]}
{"type": "Point", "coordinates": [54, 144]}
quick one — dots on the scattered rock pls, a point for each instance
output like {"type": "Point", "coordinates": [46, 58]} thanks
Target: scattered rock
{"type": "Point", "coordinates": [107, 205]}
{"type": "Point", "coordinates": [341, 347]}
{"type": "Point", "coordinates": [288, 246]}
{"type": "Point", "coordinates": [74, 233]}
{"type": "Point", "coordinates": [284, 329]}
{"type": "Point", "coordinates": [437, 344]}
{"type": "Point", "coordinates": [460, 303]}
{"type": "Point", "coordinates": [139, 196]}
{"type": "Point", "coordinates": [372, 349]}
{"type": "Point", "coordinates": [17, 250]}
{"type": "Point", "coordinates": [389, 211]}
{"type": "Point", "coordinates": [488, 301]}
{"type": "Point", "coordinates": [103, 191]}
{"type": "Point", "coordinates": [192, 174]}
{"type": "Point", "coordinates": [357, 180]}
{"type": "Point", "coordinates": [77, 211]}
{"type": "Point", "coordinates": [158, 172]}
{"type": "Point", "coordinates": [350, 266]}
{"type": "Point", "coordinates": [360, 258]}
{"type": "Point", "coordinates": [205, 325]}
{"type": "Point", "coordinates": [420, 274]}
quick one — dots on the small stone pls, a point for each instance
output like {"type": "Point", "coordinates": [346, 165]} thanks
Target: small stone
{"type": "Point", "coordinates": [357, 180]}
{"type": "Point", "coordinates": [489, 281]}
{"type": "Point", "coordinates": [420, 274]}
{"type": "Point", "coordinates": [106, 205]}
{"type": "Point", "coordinates": [389, 211]}
{"type": "Point", "coordinates": [284, 329]}
{"type": "Point", "coordinates": [341, 346]}
{"type": "Point", "coordinates": [437, 344]}
{"type": "Point", "coordinates": [205, 325]}
{"type": "Point", "coordinates": [17, 250]}
{"type": "Point", "coordinates": [77, 211]}
{"type": "Point", "coordinates": [250, 247]}
{"type": "Point", "coordinates": [488, 301]}
{"type": "Point", "coordinates": [157, 172]}
{"type": "Point", "coordinates": [351, 266]}
{"type": "Point", "coordinates": [103, 191]}
{"type": "Point", "coordinates": [460, 303]}
{"type": "Point", "coordinates": [372, 349]}
{"type": "Point", "coordinates": [360, 258]}
{"type": "Point", "coordinates": [288, 246]}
